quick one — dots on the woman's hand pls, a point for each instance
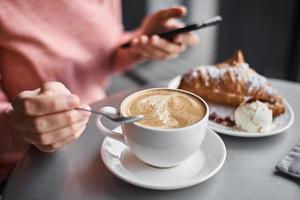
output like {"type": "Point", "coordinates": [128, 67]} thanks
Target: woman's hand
{"type": "Point", "coordinates": [149, 45]}
{"type": "Point", "coordinates": [46, 116]}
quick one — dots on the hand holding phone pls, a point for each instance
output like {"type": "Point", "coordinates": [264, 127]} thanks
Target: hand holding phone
{"type": "Point", "coordinates": [192, 27]}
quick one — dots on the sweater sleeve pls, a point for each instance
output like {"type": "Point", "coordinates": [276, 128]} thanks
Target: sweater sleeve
{"type": "Point", "coordinates": [124, 58]}
{"type": "Point", "coordinates": [12, 146]}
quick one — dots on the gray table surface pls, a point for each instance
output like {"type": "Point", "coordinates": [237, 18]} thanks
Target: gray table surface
{"type": "Point", "coordinates": [77, 171]}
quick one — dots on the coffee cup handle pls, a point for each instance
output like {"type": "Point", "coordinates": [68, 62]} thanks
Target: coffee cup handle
{"type": "Point", "coordinates": [106, 131]}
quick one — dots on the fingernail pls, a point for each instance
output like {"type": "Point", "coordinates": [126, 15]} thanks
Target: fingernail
{"type": "Point", "coordinates": [73, 101]}
{"type": "Point", "coordinates": [144, 39]}
{"type": "Point", "coordinates": [79, 133]}
{"type": "Point", "coordinates": [183, 47]}
{"type": "Point", "coordinates": [48, 92]}
{"type": "Point", "coordinates": [135, 41]}
{"type": "Point", "coordinates": [178, 39]}
{"type": "Point", "coordinates": [86, 107]}
{"type": "Point", "coordinates": [155, 39]}
{"type": "Point", "coordinates": [84, 113]}
{"type": "Point", "coordinates": [183, 9]}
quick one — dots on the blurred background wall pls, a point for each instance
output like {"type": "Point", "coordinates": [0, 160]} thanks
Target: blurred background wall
{"type": "Point", "coordinates": [267, 31]}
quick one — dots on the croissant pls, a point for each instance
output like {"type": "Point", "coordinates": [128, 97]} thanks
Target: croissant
{"type": "Point", "coordinates": [231, 83]}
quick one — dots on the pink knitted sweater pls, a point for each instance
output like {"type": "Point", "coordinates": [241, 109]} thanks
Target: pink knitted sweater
{"type": "Point", "coordinates": [74, 42]}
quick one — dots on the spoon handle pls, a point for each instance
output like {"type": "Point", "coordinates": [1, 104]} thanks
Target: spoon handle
{"type": "Point", "coordinates": [112, 114]}
{"type": "Point", "coordinates": [87, 110]}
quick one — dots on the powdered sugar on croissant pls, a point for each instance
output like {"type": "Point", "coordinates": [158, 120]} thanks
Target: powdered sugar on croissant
{"type": "Point", "coordinates": [231, 82]}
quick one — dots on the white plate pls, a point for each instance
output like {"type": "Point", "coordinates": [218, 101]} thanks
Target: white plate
{"type": "Point", "coordinates": [202, 165]}
{"type": "Point", "coordinates": [279, 125]}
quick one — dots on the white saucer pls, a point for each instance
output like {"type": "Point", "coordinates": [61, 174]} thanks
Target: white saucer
{"type": "Point", "coordinates": [280, 123]}
{"type": "Point", "coordinates": [202, 165]}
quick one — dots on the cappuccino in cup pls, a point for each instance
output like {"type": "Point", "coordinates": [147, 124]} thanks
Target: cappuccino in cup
{"type": "Point", "coordinates": [165, 108]}
{"type": "Point", "coordinates": [173, 127]}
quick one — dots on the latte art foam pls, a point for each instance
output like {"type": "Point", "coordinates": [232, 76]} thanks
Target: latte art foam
{"type": "Point", "coordinates": [165, 108]}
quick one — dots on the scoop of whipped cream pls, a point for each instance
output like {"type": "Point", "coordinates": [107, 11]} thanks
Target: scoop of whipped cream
{"type": "Point", "coordinates": [253, 117]}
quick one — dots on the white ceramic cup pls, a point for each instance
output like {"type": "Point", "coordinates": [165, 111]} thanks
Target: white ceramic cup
{"type": "Point", "coordinates": [159, 147]}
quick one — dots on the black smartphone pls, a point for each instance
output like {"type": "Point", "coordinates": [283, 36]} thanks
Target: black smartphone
{"type": "Point", "coordinates": [192, 27]}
